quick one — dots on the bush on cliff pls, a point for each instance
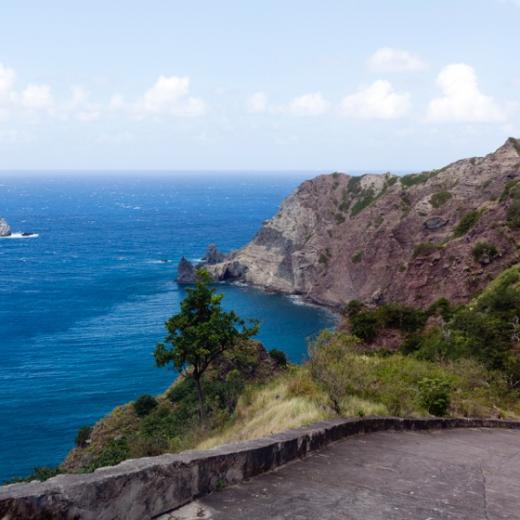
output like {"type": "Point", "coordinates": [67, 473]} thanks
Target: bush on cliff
{"type": "Point", "coordinates": [200, 333]}
{"type": "Point", "coordinates": [144, 405]}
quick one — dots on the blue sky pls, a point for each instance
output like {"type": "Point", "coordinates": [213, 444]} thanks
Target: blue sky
{"type": "Point", "coordinates": [271, 85]}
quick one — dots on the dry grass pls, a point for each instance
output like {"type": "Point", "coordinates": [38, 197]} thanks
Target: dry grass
{"type": "Point", "coordinates": [267, 410]}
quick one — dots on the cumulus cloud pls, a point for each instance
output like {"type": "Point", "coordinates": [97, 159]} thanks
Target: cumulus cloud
{"type": "Point", "coordinates": [170, 96]}
{"type": "Point", "coordinates": [387, 59]}
{"type": "Point", "coordinates": [257, 103]}
{"type": "Point", "coordinates": [462, 100]}
{"type": "Point", "coordinates": [313, 104]}
{"type": "Point", "coordinates": [377, 101]}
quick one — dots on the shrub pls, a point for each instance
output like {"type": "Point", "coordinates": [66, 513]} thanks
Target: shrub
{"type": "Point", "coordinates": [365, 199]}
{"type": "Point", "coordinates": [339, 218]}
{"type": "Point", "coordinates": [441, 307]}
{"type": "Point", "coordinates": [513, 215]}
{"type": "Point", "coordinates": [440, 198]}
{"type": "Point", "coordinates": [484, 252]}
{"type": "Point", "coordinates": [364, 325]}
{"type": "Point", "coordinates": [416, 178]}
{"type": "Point", "coordinates": [356, 258]}
{"type": "Point", "coordinates": [425, 249]}
{"type": "Point", "coordinates": [331, 365]}
{"type": "Point", "coordinates": [353, 307]}
{"type": "Point", "coordinates": [466, 223]}
{"type": "Point", "coordinates": [83, 436]}
{"type": "Point", "coordinates": [401, 317]}
{"type": "Point", "coordinates": [434, 395]}
{"type": "Point", "coordinates": [116, 451]}
{"type": "Point", "coordinates": [278, 357]}
{"type": "Point", "coordinates": [144, 405]}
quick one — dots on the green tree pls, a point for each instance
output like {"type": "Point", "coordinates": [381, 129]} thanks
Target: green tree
{"type": "Point", "coordinates": [200, 333]}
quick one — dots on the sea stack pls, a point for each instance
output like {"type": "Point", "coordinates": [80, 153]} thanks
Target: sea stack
{"type": "Point", "coordinates": [185, 272]}
{"type": "Point", "coordinates": [5, 229]}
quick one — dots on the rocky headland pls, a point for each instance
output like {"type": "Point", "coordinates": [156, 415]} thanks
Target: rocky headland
{"type": "Point", "coordinates": [386, 238]}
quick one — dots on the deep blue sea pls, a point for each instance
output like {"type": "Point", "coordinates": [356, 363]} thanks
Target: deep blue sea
{"type": "Point", "coordinates": [83, 304]}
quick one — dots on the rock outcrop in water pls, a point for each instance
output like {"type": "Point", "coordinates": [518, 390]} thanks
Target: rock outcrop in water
{"type": "Point", "coordinates": [382, 238]}
{"type": "Point", "coordinates": [185, 271]}
{"type": "Point", "coordinates": [5, 229]}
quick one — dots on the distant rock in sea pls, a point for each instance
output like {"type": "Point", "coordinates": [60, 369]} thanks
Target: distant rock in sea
{"type": "Point", "coordinates": [5, 229]}
{"type": "Point", "coordinates": [185, 271]}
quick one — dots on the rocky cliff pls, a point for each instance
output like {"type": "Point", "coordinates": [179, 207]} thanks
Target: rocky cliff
{"type": "Point", "coordinates": [381, 238]}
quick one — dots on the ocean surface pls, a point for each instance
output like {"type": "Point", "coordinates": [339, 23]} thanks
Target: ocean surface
{"type": "Point", "coordinates": [83, 304]}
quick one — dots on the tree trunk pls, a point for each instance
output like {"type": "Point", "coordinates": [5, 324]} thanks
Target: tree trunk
{"type": "Point", "coordinates": [200, 395]}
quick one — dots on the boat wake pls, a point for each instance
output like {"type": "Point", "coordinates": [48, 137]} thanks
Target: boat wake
{"type": "Point", "coordinates": [22, 235]}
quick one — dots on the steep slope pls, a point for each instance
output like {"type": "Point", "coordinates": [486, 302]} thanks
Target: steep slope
{"type": "Point", "coordinates": [382, 238]}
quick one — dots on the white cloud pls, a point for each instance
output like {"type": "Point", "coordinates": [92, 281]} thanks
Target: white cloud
{"type": "Point", "coordinates": [462, 100]}
{"type": "Point", "coordinates": [377, 101]}
{"type": "Point", "coordinates": [387, 59]}
{"type": "Point", "coordinates": [36, 97]}
{"type": "Point", "coordinates": [7, 77]}
{"type": "Point", "coordinates": [257, 103]}
{"type": "Point", "coordinates": [169, 96]}
{"type": "Point", "coordinates": [313, 104]}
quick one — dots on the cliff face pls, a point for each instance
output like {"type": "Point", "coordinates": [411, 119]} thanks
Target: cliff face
{"type": "Point", "coordinates": [383, 238]}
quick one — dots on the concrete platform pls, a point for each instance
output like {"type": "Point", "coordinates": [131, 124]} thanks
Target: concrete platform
{"type": "Point", "coordinates": [468, 474]}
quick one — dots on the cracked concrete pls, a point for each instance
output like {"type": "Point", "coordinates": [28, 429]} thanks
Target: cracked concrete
{"type": "Point", "coordinates": [428, 475]}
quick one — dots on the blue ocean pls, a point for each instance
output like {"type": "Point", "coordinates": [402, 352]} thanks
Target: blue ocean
{"type": "Point", "coordinates": [83, 305]}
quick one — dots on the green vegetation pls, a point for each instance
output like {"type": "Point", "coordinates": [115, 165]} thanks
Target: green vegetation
{"type": "Point", "coordinates": [200, 334]}
{"type": "Point", "coordinates": [366, 323]}
{"type": "Point", "coordinates": [484, 252]}
{"type": "Point", "coordinates": [513, 215]}
{"type": "Point", "coordinates": [511, 191]}
{"type": "Point", "coordinates": [366, 198]}
{"type": "Point", "coordinates": [145, 405]}
{"type": "Point", "coordinates": [417, 178]}
{"type": "Point", "coordinates": [440, 198]}
{"type": "Point", "coordinates": [357, 257]}
{"type": "Point", "coordinates": [467, 222]}
{"type": "Point", "coordinates": [425, 249]}
{"type": "Point", "coordinates": [279, 357]}
{"type": "Point", "coordinates": [434, 395]}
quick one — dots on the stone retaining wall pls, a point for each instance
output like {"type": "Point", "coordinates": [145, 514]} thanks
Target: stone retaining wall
{"type": "Point", "coordinates": [145, 488]}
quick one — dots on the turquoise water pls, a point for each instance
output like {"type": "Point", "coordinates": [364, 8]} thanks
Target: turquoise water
{"type": "Point", "coordinates": [83, 305]}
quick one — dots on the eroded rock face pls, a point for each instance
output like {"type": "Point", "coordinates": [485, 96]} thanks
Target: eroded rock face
{"type": "Point", "coordinates": [5, 229]}
{"type": "Point", "coordinates": [337, 237]}
{"type": "Point", "coordinates": [213, 255]}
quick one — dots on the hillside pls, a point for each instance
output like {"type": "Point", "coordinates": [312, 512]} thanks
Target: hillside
{"type": "Point", "coordinates": [384, 238]}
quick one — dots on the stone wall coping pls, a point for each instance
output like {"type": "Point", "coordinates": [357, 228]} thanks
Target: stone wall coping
{"type": "Point", "coordinates": [140, 489]}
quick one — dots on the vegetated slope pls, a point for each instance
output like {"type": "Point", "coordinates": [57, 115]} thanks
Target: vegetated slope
{"type": "Point", "coordinates": [383, 238]}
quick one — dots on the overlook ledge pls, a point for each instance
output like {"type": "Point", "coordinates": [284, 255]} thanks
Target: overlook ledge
{"type": "Point", "coordinates": [147, 488]}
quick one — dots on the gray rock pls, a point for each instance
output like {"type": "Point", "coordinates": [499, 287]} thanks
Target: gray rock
{"type": "Point", "coordinates": [185, 271]}
{"type": "Point", "coordinates": [435, 223]}
{"type": "Point", "coordinates": [5, 229]}
{"type": "Point", "coordinates": [213, 255]}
